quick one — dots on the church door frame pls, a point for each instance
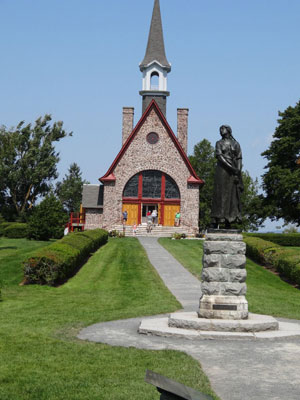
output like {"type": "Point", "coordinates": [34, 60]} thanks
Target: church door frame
{"type": "Point", "coordinates": [160, 202]}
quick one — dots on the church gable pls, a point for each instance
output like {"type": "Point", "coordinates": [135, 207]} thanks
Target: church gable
{"type": "Point", "coordinates": [152, 145]}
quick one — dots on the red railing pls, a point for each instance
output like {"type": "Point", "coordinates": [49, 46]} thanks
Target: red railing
{"type": "Point", "coordinates": [76, 222]}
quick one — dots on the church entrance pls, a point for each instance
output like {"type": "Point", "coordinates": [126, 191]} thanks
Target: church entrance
{"type": "Point", "coordinates": [151, 190]}
{"type": "Point", "coordinates": [149, 208]}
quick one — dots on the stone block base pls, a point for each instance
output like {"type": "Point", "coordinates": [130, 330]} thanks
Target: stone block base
{"type": "Point", "coordinates": [223, 307]}
{"type": "Point", "coordinates": [194, 328]}
{"type": "Point", "coordinates": [255, 323]}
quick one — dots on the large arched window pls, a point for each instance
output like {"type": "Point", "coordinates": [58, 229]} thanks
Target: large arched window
{"type": "Point", "coordinates": [151, 184]}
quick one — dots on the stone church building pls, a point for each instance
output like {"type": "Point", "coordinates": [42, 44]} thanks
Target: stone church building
{"type": "Point", "coordinates": [152, 170]}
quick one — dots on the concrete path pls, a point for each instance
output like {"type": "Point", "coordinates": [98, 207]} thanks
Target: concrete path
{"type": "Point", "coordinates": [184, 286]}
{"type": "Point", "coordinates": [237, 369]}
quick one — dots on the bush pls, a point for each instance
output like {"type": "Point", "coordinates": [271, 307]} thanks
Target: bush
{"type": "Point", "coordinates": [114, 233]}
{"type": "Point", "coordinates": [48, 220]}
{"type": "Point", "coordinates": [57, 262]}
{"type": "Point", "coordinates": [286, 262]}
{"type": "Point", "coordinates": [176, 236]}
{"type": "Point", "coordinates": [15, 230]}
{"type": "Point", "coordinates": [3, 225]}
{"type": "Point", "coordinates": [282, 239]}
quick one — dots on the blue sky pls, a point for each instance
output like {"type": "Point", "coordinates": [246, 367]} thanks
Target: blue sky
{"type": "Point", "coordinates": [234, 62]}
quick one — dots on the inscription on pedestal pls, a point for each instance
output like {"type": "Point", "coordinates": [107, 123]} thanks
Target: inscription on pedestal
{"type": "Point", "coordinates": [224, 307]}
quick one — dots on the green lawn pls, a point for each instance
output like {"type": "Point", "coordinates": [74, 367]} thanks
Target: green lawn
{"type": "Point", "coordinates": [266, 292]}
{"type": "Point", "coordinates": [40, 355]}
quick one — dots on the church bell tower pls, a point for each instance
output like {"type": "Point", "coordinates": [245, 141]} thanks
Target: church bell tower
{"type": "Point", "coordinates": [155, 65]}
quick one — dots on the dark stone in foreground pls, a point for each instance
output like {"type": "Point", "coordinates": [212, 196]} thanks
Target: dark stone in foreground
{"type": "Point", "coordinates": [171, 390]}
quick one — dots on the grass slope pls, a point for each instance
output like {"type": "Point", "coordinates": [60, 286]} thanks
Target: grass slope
{"type": "Point", "coordinates": [12, 252]}
{"type": "Point", "coordinates": [266, 292]}
{"type": "Point", "coordinates": [40, 355]}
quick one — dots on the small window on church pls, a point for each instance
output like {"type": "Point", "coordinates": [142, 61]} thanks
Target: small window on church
{"type": "Point", "coordinates": [172, 191]}
{"type": "Point", "coordinates": [152, 138]}
{"type": "Point", "coordinates": [154, 81]}
{"type": "Point", "coordinates": [132, 187]}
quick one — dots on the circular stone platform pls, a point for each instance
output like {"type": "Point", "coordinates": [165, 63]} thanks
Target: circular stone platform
{"type": "Point", "coordinates": [254, 323]}
{"type": "Point", "coordinates": [188, 325]}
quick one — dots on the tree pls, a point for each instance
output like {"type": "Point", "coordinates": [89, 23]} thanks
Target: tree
{"type": "Point", "coordinates": [204, 162]}
{"type": "Point", "coordinates": [290, 229]}
{"type": "Point", "coordinates": [281, 182]}
{"type": "Point", "coordinates": [69, 191]}
{"type": "Point", "coordinates": [47, 220]}
{"type": "Point", "coordinates": [28, 162]}
{"type": "Point", "coordinates": [253, 214]}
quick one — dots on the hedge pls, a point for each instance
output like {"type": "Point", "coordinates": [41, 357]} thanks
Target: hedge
{"type": "Point", "coordinates": [285, 261]}
{"type": "Point", "coordinates": [15, 230]}
{"type": "Point", "coordinates": [3, 225]}
{"type": "Point", "coordinates": [283, 239]}
{"type": "Point", "coordinates": [59, 261]}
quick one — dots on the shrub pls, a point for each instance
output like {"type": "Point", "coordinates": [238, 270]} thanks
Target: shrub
{"type": "Point", "coordinates": [286, 262]}
{"type": "Point", "coordinates": [114, 233]}
{"type": "Point", "coordinates": [48, 220]}
{"type": "Point", "coordinates": [59, 261]}
{"type": "Point", "coordinates": [282, 239]}
{"type": "Point", "coordinates": [15, 230]}
{"type": "Point", "coordinates": [176, 236]}
{"type": "Point", "coordinates": [3, 225]}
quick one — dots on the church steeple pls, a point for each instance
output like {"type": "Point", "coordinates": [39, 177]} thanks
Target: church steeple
{"type": "Point", "coordinates": [155, 65]}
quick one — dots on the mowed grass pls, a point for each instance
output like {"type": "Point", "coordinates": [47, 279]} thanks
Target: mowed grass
{"type": "Point", "coordinates": [12, 252]}
{"type": "Point", "coordinates": [40, 357]}
{"type": "Point", "coordinates": [266, 292]}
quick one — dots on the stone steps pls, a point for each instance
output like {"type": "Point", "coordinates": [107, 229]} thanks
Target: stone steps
{"type": "Point", "coordinates": [157, 231]}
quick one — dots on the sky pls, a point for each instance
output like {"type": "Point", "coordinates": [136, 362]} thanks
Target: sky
{"type": "Point", "coordinates": [234, 62]}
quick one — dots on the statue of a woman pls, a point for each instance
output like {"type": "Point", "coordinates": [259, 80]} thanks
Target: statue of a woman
{"type": "Point", "coordinates": [228, 184]}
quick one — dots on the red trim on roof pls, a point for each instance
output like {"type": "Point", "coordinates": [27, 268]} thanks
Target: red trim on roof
{"type": "Point", "coordinates": [192, 179]}
{"type": "Point", "coordinates": [152, 105]}
{"type": "Point", "coordinates": [110, 178]}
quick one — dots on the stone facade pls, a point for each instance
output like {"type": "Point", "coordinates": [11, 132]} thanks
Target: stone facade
{"type": "Point", "coordinates": [127, 123]}
{"type": "Point", "coordinates": [223, 284]}
{"type": "Point", "coordinates": [182, 127]}
{"type": "Point", "coordinates": [139, 156]}
{"type": "Point", "coordinates": [93, 218]}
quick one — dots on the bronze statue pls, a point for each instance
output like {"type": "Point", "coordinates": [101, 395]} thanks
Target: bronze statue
{"type": "Point", "coordinates": [228, 184]}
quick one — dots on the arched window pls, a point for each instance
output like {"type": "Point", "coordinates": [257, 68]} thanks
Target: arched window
{"type": "Point", "coordinates": [171, 190]}
{"type": "Point", "coordinates": [132, 187]}
{"type": "Point", "coordinates": [154, 85]}
{"type": "Point", "coordinates": [152, 185]}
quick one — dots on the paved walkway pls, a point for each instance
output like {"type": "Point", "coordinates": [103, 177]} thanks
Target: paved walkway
{"type": "Point", "coordinates": [184, 286]}
{"type": "Point", "coordinates": [237, 369]}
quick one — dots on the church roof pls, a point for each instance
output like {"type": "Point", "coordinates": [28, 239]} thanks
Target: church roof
{"type": "Point", "coordinates": [155, 48]}
{"type": "Point", "coordinates": [92, 196]}
{"type": "Point", "coordinates": [194, 179]}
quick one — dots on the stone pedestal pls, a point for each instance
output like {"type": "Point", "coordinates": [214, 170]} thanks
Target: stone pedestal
{"type": "Point", "coordinates": [223, 276]}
